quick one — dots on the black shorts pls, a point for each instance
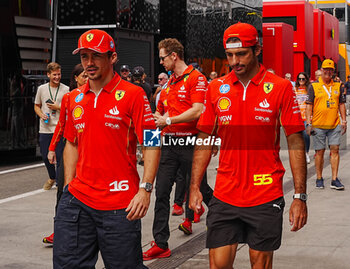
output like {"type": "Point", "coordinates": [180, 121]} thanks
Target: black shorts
{"type": "Point", "coordinates": [258, 226]}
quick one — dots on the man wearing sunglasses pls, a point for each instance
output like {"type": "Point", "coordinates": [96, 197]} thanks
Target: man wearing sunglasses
{"type": "Point", "coordinates": [162, 80]}
{"type": "Point", "coordinates": [182, 104]}
{"type": "Point", "coordinates": [325, 101]}
{"type": "Point", "coordinates": [125, 72]}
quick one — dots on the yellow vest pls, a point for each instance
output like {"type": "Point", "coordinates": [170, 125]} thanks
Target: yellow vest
{"type": "Point", "coordinates": [326, 104]}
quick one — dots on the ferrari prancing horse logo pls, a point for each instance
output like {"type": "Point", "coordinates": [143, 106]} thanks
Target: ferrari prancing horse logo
{"type": "Point", "coordinates": [268, 87]}
{"type": "Point", "coordinates": [89, 37]}
{"type": "Point", "coordinates": [119, 95]}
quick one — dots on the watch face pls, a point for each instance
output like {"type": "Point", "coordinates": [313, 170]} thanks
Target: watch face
{"type": "Point", "coordinates": [303, 196]}
{"type": "Point", "coordinates": [148, 187]}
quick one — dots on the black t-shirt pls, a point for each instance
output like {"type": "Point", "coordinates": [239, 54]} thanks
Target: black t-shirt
{"type": "Point", "coordinates": [347, 87]}
{"type": "Point", "coordinates": [146, 87]}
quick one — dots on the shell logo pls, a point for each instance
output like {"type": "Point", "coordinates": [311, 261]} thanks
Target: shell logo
{"type": "Point", "coordinates": [78, 112]}
{"type": "Point", "coordinates": [224, 104]}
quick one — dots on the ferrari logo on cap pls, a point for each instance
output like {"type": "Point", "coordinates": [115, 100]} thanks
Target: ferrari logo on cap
{"type": "Point", "coordinates": [224, 104]}
{"type": "Point", "coordinates": [89, 37]}
{"type": "Point", "coordinates": [268, 87]}
{"type": "Point", "coordinates": [119, 95]}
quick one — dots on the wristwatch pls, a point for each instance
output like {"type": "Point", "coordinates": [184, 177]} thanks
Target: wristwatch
{"type": "Point", "coordinates": [168, 121]}
{"type": "Point", "coordinates": [301, 196]}
{"type": "Point", "coordinates": [147, 186]}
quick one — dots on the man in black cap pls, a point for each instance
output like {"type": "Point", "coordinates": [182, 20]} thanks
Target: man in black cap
{"type": "Point", "coordinates": [124, 71]}
{"type": "Point", "coordinates": [136, 78]}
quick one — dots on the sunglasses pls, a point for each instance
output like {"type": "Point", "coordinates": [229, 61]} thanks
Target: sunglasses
{"type": "Point", "coordinates": [163, 57]}
{"type": "Point", "coordinates": [302, 79]}
{"type": "Point", "coordinates": [161, 78]}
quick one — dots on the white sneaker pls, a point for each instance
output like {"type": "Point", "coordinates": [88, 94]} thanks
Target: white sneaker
{"type": "Point", "coordinates": [307, 158]}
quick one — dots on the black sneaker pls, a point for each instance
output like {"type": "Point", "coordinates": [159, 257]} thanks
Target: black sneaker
{"type": "Point", "coordinates": [336, 184]}
{"type": "Point", "coordinates": [319, 183]}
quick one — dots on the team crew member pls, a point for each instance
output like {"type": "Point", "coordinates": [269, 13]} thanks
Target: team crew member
{"type": "Point", "coordinates": [47, 106]}
{"type": "Point", "coordinates": [325, 102]}
{"type": "Point", "coordinates": [78, 79]}
{"type": "Point", "coordinates": [180, 190]}
{"type": "Point", "coordinates": [246, 108]}
{"type": "Point", "coordinates": [101, 207]}
{"type": "Point", "coordinates": [184, 99]}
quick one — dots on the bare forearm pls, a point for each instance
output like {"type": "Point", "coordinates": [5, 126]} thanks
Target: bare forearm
{"type": "Point", "coordinates": [296, 148]}
{"type": "Point", "coordinates": [151, 162]}
{"type": "Point", "coordinates": [342, 111]}
{"type": "Point", "coordinates": [37, 110]}
{"type": "Point", "coordinates": [200, 161]}
{"type": "Point", "coordinates": [70, 160]}
{"type": "Point", "coordinates": [308, 113]}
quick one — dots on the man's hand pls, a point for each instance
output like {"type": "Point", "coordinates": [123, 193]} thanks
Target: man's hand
{"type": "Point", "coordinates": [215, 150]}
{"type": "Point", "coordinates": [53, 106]}
{"type": "Point", "coordinates": [343, 127]}
{"type": "Point", "coordinates": [309, 129]}
{"type": "Point", "coordinates": [138, 206]}
{"type": "Point", "coordinates": [51, 156]}
{"type": "Point", "coordinates": [297, 215]}
{"type": "Point", "coordinates": [43, 116]}
{"type": "Point", "coordinates": [196, 199]}
{"type": "Point", "coordinates": [160, 120]}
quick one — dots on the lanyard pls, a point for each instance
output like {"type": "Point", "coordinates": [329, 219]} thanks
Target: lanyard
{"type": "Point", "coordinates": [56, 92]}
{"type": "Point", "coordinates": [328, 92]}
{"type": "Point", "coordinates": [172, 82]}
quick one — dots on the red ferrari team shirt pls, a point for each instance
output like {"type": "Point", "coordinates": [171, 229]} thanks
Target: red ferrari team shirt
{"type": "Point", "coordinates": [248, 119]}
{"type": "Point", "coordinates": [106, 127]}
{"type": "Point", "coordinates": [61, 122]}
{"type": "Point", "coordinates": [162, 107]}
{"type": "Point", "coordinates": [179, 96]}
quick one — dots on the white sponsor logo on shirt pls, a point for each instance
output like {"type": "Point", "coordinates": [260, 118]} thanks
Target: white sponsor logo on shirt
{"type": "Point", "coordinates": [264, 104]}
{"type": "Point", "coordinates": [114, 111]}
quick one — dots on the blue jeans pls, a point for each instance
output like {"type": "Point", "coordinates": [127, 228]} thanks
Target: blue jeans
{"type": "Point", "coordinates": [306, 139]}
{"type": "Point", "coordinates": [44, 142]}
{"type": "Point", "coordinates": [81, 232]}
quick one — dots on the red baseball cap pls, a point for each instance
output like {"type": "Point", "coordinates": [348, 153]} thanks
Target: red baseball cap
{"type": "Point", "coordinates": [96, 40]}
{"type": "Point", "coordinates": [246, 33]}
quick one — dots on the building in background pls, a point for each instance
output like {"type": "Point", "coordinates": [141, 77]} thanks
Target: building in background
{"type": "Point", "coordinates": [33, 33]}
{"type": "Point", "coordinates": [325, 22]}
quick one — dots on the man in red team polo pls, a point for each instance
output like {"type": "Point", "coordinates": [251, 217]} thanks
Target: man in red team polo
{"type": "Point", "coordinates": [246, 109]}
{"type": "Point", "coordinates": [103, 199]}
{"type": "Point", "coordinates": [184, 98]}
